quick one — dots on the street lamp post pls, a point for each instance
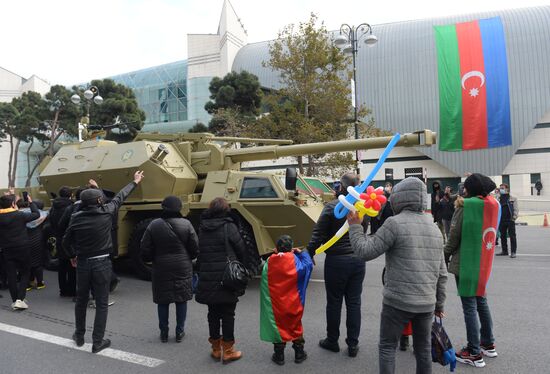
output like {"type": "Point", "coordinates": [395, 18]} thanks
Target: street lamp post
{"type": "Point", "coordinates": [348, 41]}
{"type": "Point", "coordinates": [90, 94]}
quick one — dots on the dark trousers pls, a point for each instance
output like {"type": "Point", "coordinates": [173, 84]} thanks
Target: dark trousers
{"type": "Point", "coordinates": [222, 316]}
{"type": "Point", "coordinates": [392, 323]}
{"type": "Point", "coordinates": [181, 314]}
{"type": "Point", "coordinates": [66, 276]}
{"type": "Point", "coordinates": [506, 228]}
{"type": "Point", "coordinates": [94, 273]}
{"type": "Point", "coordinates": [18, 268]}
{"type": "Point", "coordinates": [344, 279]}
{"type": "Point", "coordinates": [37, 272]}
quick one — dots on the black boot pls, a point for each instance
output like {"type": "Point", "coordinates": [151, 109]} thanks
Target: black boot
{"type": "Point", "coordinates": [299, 354]}
{"type": "Point", "coordinates": [404, 343]}
{"type": "Point", "coordinates": [279, 353]}
{"type": "Point", "coordinates": [164, 336]}
{"type": "Point", "coordinates": [503, 253]}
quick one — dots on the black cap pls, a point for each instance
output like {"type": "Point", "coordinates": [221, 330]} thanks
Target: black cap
{"type": "Point", "coordinates": [171, 204]}
{"type": "Point", "coordinates": [89, 196]}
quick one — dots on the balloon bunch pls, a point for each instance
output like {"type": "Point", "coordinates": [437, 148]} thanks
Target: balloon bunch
{"type": "Point", "coordinates": [357, 200]}
{"type": "Point", "coordinates": [368, 203]}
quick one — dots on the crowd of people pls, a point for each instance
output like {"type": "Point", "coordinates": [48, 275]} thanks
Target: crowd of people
{"type": "Point", "coordinates": [419, 251]}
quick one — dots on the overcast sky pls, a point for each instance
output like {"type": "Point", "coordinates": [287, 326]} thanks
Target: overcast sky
{"type": "Point", "coordinates": [71, 41]}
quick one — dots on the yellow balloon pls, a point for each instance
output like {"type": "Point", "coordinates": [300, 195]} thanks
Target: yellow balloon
{"type": "Point", "coordinates": [371, 212]}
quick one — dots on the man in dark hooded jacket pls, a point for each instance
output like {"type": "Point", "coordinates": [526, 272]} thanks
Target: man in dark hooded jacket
{"type": "Point", "coordinates": [66, 274]}
{"type": "Point", "coordinates": [88, 242]}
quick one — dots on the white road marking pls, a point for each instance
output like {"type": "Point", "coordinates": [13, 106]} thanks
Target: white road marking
{"type": "Point", "coordinates": [533, 254]}
{"type": "Point", "coordinates": [68, 343]}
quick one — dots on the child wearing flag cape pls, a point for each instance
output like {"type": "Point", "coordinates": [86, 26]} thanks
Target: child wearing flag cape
{"type": "Point", "coordinates": [469, 252]}
{"type": "Point", "coordinates": [285, 277]}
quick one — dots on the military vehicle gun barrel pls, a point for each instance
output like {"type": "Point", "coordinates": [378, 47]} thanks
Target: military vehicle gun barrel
{"type": "Point", "coordinates": [420, 138]}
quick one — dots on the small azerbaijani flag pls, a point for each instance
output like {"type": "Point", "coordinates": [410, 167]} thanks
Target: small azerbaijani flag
{"type": "Point", "coordinates": [283, 295]}
{"type": "Point", "coordinates": [477, 245]}
{"type": "Point", "coordinates": [474, 101]}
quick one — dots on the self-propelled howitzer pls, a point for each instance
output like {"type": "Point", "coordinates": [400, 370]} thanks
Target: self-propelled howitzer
{"type": "Point", "coordinates": [198, 168]}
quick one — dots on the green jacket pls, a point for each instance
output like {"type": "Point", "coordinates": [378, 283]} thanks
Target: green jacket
{"type": "Point", "coordinates": [452, 246]}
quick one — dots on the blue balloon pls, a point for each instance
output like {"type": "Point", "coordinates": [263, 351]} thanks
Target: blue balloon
{"type": "Point", "coordinates": [341, 211]}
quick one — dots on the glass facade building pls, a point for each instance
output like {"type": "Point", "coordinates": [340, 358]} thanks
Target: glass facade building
{"type": "Point", "coordinates": [161, 92]}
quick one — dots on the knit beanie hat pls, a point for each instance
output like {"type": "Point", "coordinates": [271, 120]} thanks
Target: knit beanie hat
{"type": "Point", "coordinates": [479, 185]}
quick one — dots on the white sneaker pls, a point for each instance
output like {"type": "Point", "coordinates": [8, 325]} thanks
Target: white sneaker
{"type": "Point", "coordinates": [20, 304]}
{"type": "Point", "coordinates": [13, 306]}
{"type": "Point", "coordinates": [489, 350]}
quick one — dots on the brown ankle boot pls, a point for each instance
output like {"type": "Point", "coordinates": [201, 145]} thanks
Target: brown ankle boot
{"type": "Point", "coordinates": [216, 348]}
{"type": "Point", "coordinates": [229, 354]}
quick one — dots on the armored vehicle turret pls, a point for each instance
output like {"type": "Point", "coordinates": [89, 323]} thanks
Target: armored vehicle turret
{"type": "Point", "coordinates": [197, 168]}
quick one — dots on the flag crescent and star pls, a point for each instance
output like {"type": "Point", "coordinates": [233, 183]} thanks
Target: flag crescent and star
{"type": "Point", "coordinates": [474, 73]}
{"type": "Point", "coordinates": [474, 99]}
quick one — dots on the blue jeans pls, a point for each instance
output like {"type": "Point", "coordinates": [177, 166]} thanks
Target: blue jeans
{"type": "Point", "coordinates": [476, 312]}
{"type": "Point", "coordinates": [181, 314]}
{"type": "Point", "coordinates": [96, 274]}
{"type": "Point", "coordinates": [344, 279]}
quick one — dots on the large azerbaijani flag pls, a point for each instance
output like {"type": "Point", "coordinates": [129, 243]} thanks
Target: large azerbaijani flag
{"type": "Point", "coordinates": [282, 296]}
{"type": "Point", "coordinates": [477, 245]}
{"type": "Point", "coordinates": [474, 102]}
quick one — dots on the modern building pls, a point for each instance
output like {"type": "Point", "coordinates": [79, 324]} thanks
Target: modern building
{"type": "Point", "coordinates": [13, 85]}
{"type": "Point", "coordinates": [173, 95]}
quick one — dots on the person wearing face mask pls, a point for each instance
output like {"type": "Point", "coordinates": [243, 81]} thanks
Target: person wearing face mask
{"type": "Point", "coordinates": [509, 213]}
{"type": "Point", "coordinates": [437, 195]}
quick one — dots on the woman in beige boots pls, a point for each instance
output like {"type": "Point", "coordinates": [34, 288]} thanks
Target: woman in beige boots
{"type": "Point", "coordinates": [219, 239]}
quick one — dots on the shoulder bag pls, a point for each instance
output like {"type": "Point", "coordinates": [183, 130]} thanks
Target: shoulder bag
{"type": "Point", "coordinates": [235, 275]}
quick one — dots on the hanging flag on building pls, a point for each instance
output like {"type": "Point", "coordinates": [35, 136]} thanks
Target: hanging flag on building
{"type": "Point", "coordinates": [474, 102]}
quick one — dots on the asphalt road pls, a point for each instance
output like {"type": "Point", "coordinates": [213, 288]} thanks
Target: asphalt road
{"type": "Point", "coordinates": [518, 298]}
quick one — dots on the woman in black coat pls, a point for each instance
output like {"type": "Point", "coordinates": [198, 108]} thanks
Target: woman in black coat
{"type": "Point", "coordinates": [171, 243]}
{"type": "Point", "coordinates": [216, 229]}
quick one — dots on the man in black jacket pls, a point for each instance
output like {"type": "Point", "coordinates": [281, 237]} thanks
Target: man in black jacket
{"type": "Point", "coordinates": [15, 246]}
{"type": "Point", "coordinates": [437, 195]}
{"type": "Point", "coordinates": [88, 242]}
{"type": "Point", "coordinates": [344, 274]}
{"type": "Point", "coordinates": [66, 274]}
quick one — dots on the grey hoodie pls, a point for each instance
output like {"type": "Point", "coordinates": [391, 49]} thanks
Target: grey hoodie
{"type": "Point", "coordinates": [416, 274]}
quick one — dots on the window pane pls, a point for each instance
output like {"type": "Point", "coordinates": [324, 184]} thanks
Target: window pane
{"type": "Point", "coordinates": [257, 188]}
